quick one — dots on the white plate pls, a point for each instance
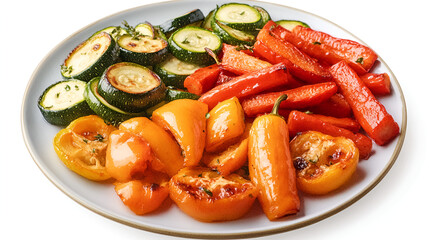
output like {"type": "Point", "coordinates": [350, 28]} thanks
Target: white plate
{"type": "Point", "coordinates": [102, 199]}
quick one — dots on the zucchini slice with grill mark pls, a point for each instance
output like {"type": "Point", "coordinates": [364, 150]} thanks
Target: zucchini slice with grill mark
{"type": "Point", "coordinates": [144, 50]}
{"type": "Point", "coordinates": [63, 102]}
{"type": "Point", "coordinates": [193, 17]}
{"type": "Point", "coordinates": [290, 24]}
{"type": "Point", "coordinates": [90, 58]}
{"type": "Point", "coordinates": [109, 113]}
{"type": "Point", "coordinates": [232, 36]}
{"type": "Point", "coordinates": [188, 44]}
{"type": "Point", "coordinates": [239, 16]}
{"type": "Point", "coordinates": [173, 71]}
{"type": "Point", "coordinates": [131, 87]}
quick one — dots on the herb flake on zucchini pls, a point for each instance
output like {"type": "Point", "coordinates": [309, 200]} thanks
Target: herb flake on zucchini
{"type": "Point", "coordinates": [90, 58]}
{"type": "Point", "coordinates": [131, 87]}
{"type": "Point", "coordinates": [189, 43]}
{"type": "Point", "coordinates": [63, 102]}
{"type": "Point", "coordinates": [109, 113]}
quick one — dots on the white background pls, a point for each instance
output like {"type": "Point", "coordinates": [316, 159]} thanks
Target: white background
{"type": "Point", "coordinates": [32, 207]}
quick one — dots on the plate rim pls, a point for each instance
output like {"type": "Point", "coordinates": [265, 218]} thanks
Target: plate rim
{"type": "Point", "coordinates": [254, 233]}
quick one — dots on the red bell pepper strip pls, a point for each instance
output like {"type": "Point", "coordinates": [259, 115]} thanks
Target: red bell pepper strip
{"type": "Point", "coordinates": [298, 98]}
{"type": "Point", "coordinates": [368, 111]}
{"type": "Point", "coordinates": [239, 62]}
{"type": "Point", "coordinates": [224, 76]}
{"type": "Point", "coordinates": [301, 122]}
{"type": "Point", "coordinates": [202, 79]}
{"type": "Point", "coordinates": [330, 49]}
{"type": "Point", "coordinates": [378, 83]}
{"type": "Point", "coordinates": [247, 85]}
{"type": "Point", "coordinates": [335, 106]}
{"type": "Point", "coordinates": [300, 65]}
{"type": "Point", "coordinates": [347, 123]}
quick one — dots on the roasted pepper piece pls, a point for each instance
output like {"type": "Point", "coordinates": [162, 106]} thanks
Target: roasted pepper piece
{"type": "Point", "coordinates": [299, 64]}
{"type": "Point", "coordinates": [302, 122]}
{"type": "Point", "coordinates": [270, 165]}
{"type": "Point", "coordinates": [298, 98]}
{"type": "Point", "coordinates": [368, 111]}
{"type": "Point", "coordinates": [347, 123]}
{"type": "Point", "coordinates": [82, 145]}
{"type": "Point", "coordinates": [208, 196]}
{"type": "Point", "coordinates": [128, 155]}
{"type": "Point", "coordinates": [146, 194]}
{"type": "Point", "coordinates": [170, 161]}
{"type": "Point", "coordinates": [225, 125]}
{"type": "Point", "coordinates": [378, 83]}
{"type": "Point", "coordinates": [335, 106]}
{"type": "Point", "coordinates": [202, 79]}
{"type": "Point", "coordinates": [323, 163]}
{"type": "Point", "coordinates": [239, 62]}
{"type": "Point", "coordinates": [247, 84]}
{"type": "Point", "coordinates": [186, 120]}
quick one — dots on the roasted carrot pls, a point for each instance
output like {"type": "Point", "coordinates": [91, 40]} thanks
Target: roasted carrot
{"type": "Point", "coordinates": [368, 111]}
{"type": "Point", "coordinates": [270, 165]}
{"type": "Point", "coordinates": [347, 123]}
{"type": "Point", "coordinates": [224, 76]}
{"type": "Point", "coordinates": [378, 83]}
{"type": "Point", "coordinates": [301, 122]}
{"type": "Point", "coordinates": [298, 98]}
{"type": "Point", "coordinates": [335, 106]}
{"type": "Point", "coordinates": [202, 79]}
{"type": "Point", "coordinates": [330, 49]}
{"type": "Point", "coordinates": [247, 85]}
{"type": "Point", "coordinates": [300, 65]}
{"type": "Point", "coordinates": [239, 62]}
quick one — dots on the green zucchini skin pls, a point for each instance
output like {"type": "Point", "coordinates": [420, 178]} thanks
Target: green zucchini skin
{"type": "Point", "coordinates": [195, 57]}
{"type": "Point", "coordinates": [207, 24]}
{"type": "Point", "coordinates": [171, 77]}
{"type": "Point", "coordinates": [64, 117]}
{"type": "Point", "coordinates": [130, 101]}
{"type": "Point", "coordinates": [172, 25]}
{"type": "Point", "coordinates": [151, 57]}
{"type": "Point", "coordinates": [109, 113]}
{"type": "Point", "coordinates": [290, 24]}
{"type": "Point", "coordinates": [232, 36]}
{"type": "Point", "coordinates": [175, 94]}
{"type": "Point", "coordinates": [240, 8]}
{"type": "Point", "coordinates": [264, 14]}
{"type": "Point", "coordinates": [106, 59]}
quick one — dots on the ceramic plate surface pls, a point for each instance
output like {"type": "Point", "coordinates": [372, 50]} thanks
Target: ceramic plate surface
{"type": "Point", "coordinates": [102, 199]}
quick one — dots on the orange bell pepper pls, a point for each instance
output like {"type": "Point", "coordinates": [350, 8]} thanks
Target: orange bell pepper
{"type": "Point", "coordinates": [186, 120]}
{"type": "Point", "coordinates": [225, 125]}
{"type": "Point", "coordinates": [170, 161]}
{"type": "Point", "coordinates": [202, 79]}
{"type": "Point", "coordinates": [323, 163]}
{"type": "Point", "coordinates": [298, 98]}
{"type": "Point", "coordinates": [302, 122]}
{"type": "Point", "coordinates": [82, 145]}
{"type": "Point", "coordinates": [299, 64]}
{"type": "Point", "coordinates": [144, 195]}
{"type": "Point", "coordinates": [209, 197]}
{"type": "Point", "coordinates": [378, 83]}
{"type": "Point", "coordinates": [247, 85]}
{"type": "Point", "coordinates": [239, 62]}
{"type": "Point", "coordinates": [127, 156]}
{"type": "Point", "coordinates": [270, 165]}
{"type": "Point", "coordinates": [369, 112]}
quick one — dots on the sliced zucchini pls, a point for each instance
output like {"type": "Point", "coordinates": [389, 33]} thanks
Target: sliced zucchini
{"type": "Point", "coordinates": [264, 14]}
{"type": "Point", "coordinates": [290, 24]}
{"type": "Point", "coordinates": [143, 50]}
{"type": "Point", "coordinates": [207, 24]}
{"type": "Point", "coordinates": [239, 16]}
{"type": "Point", "coordinates": [193, 17]}
{"type": "Point", "coordinates": [232, 36]}
{"type": "Point", "coordinates": [109, 113]}
{"type": "Point", "coordinates": [188, 44]}
{"type": "Point", "coordinates": [131, 87]}
{"type": "Point", "coordinates": [173, 71]}
{"type": "Point", "coordinates": [145, 29]}
{"type": "Point", "coordinates": [90, 58]}
{"type": "Point", "coordinates": [115, 31]}
{"type": "Point", "coordinates": [63, 102]}
{"type": "Point", "coordinates": [174, 94]}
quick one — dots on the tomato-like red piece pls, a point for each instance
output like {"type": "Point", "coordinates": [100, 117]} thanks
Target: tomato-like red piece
{"type": "Point", "coordinates": [207, 196]}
